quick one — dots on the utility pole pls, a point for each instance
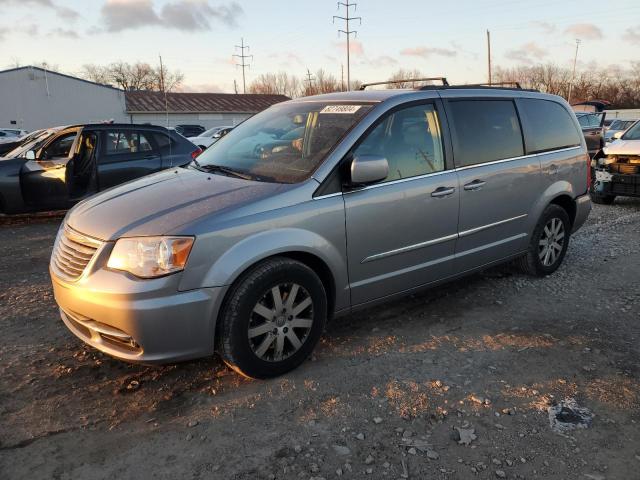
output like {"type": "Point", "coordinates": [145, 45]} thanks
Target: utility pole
{"type": "Point", "coordinates": [235, 86]}
{"type": "Point", "coordinates": [310, 80]}
{"type": "Point", "coordinates": [164, 91]}
{"type": "Point", "coordinates": [243, 59]}
{"type": "Point", "coordinates": [348, 32]}
{"type": "Point", "coordinates": [489, 54]}
{"type": "Point", "coordinates": [573, 74]}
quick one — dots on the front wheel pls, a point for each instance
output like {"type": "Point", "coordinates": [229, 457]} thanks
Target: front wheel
{"type": "Point", "coordinates": [273, 318]}
{"type": "Point", "coordinates": [549, 242]}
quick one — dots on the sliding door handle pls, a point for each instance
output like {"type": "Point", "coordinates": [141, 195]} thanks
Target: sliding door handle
{"type": "Point", "coordinates": [475, 185]}
{"type": "Point", "coordinates": [442, 192]}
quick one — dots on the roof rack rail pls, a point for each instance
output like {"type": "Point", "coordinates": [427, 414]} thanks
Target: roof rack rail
{"type": "Point", "coordinates": [515, 85]}
{"type": "Point", "coordinates": [444, 81]}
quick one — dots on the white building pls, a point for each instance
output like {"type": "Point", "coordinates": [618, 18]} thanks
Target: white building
{"type": "Point", "coordinates": [33, 98]}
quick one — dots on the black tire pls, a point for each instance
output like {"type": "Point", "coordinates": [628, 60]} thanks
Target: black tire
{"type": "Point", "coordinates": [602, 199]}
{"type": "Point", "coordinates": [238, 314]}
{"type": "Point", "coordinates": [531, 263]}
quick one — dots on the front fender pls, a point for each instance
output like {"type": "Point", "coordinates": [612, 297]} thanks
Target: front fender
{"type": "Point", "coordinates": [251, 250]}
{"type": "Point", "coordinates": [10, 190]}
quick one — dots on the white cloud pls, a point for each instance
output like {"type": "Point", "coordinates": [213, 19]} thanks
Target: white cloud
{"type": "Point", "coordinates": [584, 31]}
{"type": "Point", "coordinates": [632, 35]}
{"type": "Point", "coordinates": [426, 52]}
{"type": "Point", "coordinates": [527, 53]}
{"type": "Point", "coordinates": [185, 15]}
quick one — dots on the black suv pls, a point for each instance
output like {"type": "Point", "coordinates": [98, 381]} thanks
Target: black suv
{"type": "Point", "coordinates": [67, 164]}
{"type": "Point", "coordinates": [189, 130]}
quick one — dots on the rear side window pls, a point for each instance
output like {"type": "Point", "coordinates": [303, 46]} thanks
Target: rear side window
{"type": "Point", "coordinates": [550, 126]}
{"type": "Point", "coordinates": [164, 142]}
{"type": "Point", "coordinates": [485, 131]}
{"type": "Point", "coordinates": [119, 142]}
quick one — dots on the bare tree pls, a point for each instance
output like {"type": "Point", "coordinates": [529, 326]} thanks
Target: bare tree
{"type": "Point", "coordinates": [616, 85]}
{"type": "Point", "coordinates": [402, 74]}
{"type": "Point", "coordinates": [280, 83]}
{"type": "Point", "coordinates": [137, 76]}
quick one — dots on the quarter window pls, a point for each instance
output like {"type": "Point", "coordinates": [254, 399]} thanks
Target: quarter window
{"type": "Point", "coordinates": [485, 131]}
{"type": "Point", "coordinates": [126, 142]}
{"type": "Point", "coordinates": [410, 140]}
{"type": "Point", "coordinates": [550, 126]}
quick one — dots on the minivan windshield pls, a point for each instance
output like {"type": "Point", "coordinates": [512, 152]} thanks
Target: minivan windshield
{"type": "Point", "coordinates": [284, 143]}
{"type": "Point", "coordinates": [633, 133]}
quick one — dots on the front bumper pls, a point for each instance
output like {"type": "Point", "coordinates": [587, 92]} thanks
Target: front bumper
{"type": "Point", "coordinates": [583, 208]}
{"type": "Point", "coordinates": [147, 321]}
{"type": "Point", "coordinates": [617, 184]}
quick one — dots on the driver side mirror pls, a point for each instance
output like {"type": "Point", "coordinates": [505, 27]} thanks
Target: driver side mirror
{"type": "Point", "coordinates": [367, 169]}
{"type": "Point", "coordinates": [30, 155]}
{"type": "Point", "coordinates": [618, 135]}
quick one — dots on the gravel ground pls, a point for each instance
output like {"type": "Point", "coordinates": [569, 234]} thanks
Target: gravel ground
{"type": "Point", "coordinates": [452, 383]}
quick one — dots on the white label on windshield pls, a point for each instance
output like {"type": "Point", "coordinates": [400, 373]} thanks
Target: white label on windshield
{"type": "Point", "coordinates": [350, 109]}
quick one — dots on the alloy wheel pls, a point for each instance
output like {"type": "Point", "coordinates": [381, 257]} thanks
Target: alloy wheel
{"type": "Point", "coordinates": [551, 242]}
{"type": "Point", "coordinates": [280, 322]}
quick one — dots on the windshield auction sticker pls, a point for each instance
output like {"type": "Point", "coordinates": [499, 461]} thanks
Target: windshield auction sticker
{"type": "Point", "coordinates": [349, 109]}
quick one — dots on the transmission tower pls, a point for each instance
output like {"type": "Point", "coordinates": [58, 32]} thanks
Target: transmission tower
{"type": "Point", "coordinates": [310, 80]}
{"type": "Point", "coordinates": [347, 19]}
{"type": "Point", "coordinates": [242, 58]}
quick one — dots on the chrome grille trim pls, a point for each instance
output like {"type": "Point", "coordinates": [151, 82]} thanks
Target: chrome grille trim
{"type": "Point", "coordinates": [72, 253]}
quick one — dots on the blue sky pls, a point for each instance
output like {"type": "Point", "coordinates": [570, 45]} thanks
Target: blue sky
{"type": "Point", "coordinates": [198, 36]}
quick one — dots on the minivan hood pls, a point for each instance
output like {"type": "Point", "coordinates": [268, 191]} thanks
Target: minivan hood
{"type": "Point", "coordinates": [159, 203]}
{"type": "Point", "coordinates": [623, 147]}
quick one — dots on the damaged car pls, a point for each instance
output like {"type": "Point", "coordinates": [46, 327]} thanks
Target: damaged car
{"type": "Point", "coordinates": [617, 168]}
{"type": "Point", "coordinates": [64, 165]}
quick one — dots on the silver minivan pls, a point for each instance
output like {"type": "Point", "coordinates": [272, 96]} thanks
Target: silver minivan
{"type": "Point", "coordinates": [316, 207]}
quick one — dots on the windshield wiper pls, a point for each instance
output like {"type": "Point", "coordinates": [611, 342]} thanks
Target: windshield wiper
{"type": "Point", "coordinates": [227, 171]}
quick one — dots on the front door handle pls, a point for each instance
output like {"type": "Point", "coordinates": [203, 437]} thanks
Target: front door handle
{"type": "Point", "coordinates": [442, 192]}
{"type": "Point", "coordinates": [475, 185]}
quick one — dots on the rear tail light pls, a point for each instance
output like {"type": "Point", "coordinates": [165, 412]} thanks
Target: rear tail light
{"type": "Point", "coordinates": [195, 153]}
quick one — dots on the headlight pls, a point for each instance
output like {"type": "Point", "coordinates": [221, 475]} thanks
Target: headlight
{"type": "Point", "coordinates": [149, 257]}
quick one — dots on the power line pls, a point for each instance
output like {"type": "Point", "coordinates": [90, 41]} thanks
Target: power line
{"type": "Point", "coordinates": [242, 58]}
{"type": "Point", "coordinates": [348, 32]}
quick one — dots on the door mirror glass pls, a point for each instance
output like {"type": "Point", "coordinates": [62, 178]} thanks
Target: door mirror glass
{"type": "Point", "coordinates": [30, 155]}
{"type": "Point", "coordinates": [368, 169]}
{"type": "Point", "coordinates": [618, 135]}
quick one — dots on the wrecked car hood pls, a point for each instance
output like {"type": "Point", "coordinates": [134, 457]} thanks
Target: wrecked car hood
{"type": "Point", "coordinates": [159, 203]}
{"type": "Point", "coordinates": [623, 147]}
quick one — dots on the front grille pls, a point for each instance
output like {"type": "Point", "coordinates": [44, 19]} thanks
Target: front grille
{"type": "Point", "coordinates": [72, 253]}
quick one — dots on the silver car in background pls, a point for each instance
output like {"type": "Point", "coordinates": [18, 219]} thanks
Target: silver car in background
{"type": "Point", "coordinates": [316, 207]}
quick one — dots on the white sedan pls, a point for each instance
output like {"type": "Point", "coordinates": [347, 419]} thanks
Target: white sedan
{"type": "Point", "coordinates": [617, 168]}
{"type": "Point", "coordinates": [211, 136]}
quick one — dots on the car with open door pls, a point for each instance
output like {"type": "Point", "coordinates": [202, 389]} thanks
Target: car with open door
{"type": "Point", "coordinates": [60, 166]}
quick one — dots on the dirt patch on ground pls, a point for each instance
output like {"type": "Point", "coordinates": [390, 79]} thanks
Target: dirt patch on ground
{"type": "Point", "coordinates": [399, 391]}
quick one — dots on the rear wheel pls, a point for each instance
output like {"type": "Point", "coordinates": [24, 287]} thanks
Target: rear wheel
{"type": "Point", "coordinates": [549, 242]}
{"type": "Point", "coordinates": [273, 318]}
